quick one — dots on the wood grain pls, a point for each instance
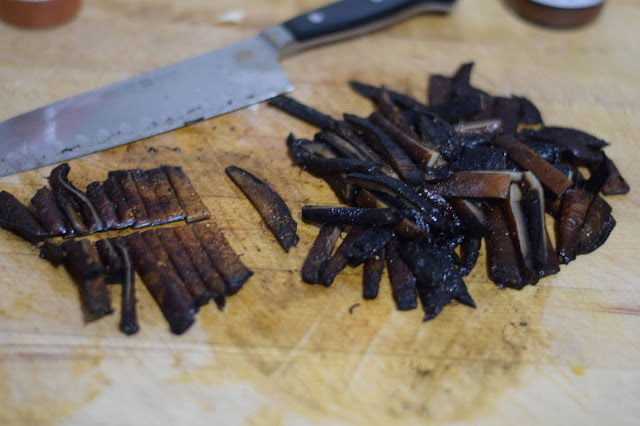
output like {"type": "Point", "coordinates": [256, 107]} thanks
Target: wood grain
{"type": "Point", "coordinates": [282, 352]}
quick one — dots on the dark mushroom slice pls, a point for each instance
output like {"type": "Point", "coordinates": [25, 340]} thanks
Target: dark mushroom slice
{"type": "Point", "coordinates": [17, 218]}
{"type": "Point", "coordinates": [615, 184]}
{"type": "Point", "coordinates": [461, 86]}
{"type": "Point", "coordinates": [58, 179]}
{"type": "Point", "coordinates": [125, 214]}
{"type": "Point", "coordinates": [372, 274]}
{"type": "Point", "coordinates": [165, 195]}
{"type": "Point", "coordinates": [128, 314]}
{"type": "Point", "coordinates": [520, 232]}
{"type": "Point", "coordinates": [502, 254]}
{"type": "Point", "coordinates": [269, 204]}
{"type": "Point", "coordinates": [54, 253]}
{"type": "Point", "coordinates": [440, 135]}
{"type": "Point", "coordinates": [341, 146]}
{"type": "Point", "coordinates": [469, 252]}
{"type": "Point", "coordinates": [401, 191]}
{"type": "Point", "coordinates": [127, 186]}
{"type": "Point", "coordinates": [440, 89]}
{"type": "Point", "coordinates": [529, 113]}
{"type": "Point", "coordinates": [50, 215]}
{"type": "Point", "coordinates": [438, 280]}
{"type": "Point", "coordinates": [319, 253]}
{"type": "Point", "coordinates": [491, 127]}
{"type": "Point", "coordinates": [575, 205]}
{"type": "Point", "coordinates": [393, 116]}
{"type": "Point", "coordinates": [317, 147]}
{"type": "Point", "coordinates": [224, 258]}
{"type": "Point", "coordinates": [474, 185]}
{"type": "Point", "coordinates": [105, 208]}
{"type": "Point", "coordinates": [147, 190]}
{"type": "Point", "coordinates": [338, 261]}
{"type": "Point", "coordinates": [546, 173]}
{"type": "Point", "coordinates": [83, 263]}
{"type": "Point", "coordinates": [583, 147]}
{"type": "Point", "coordinates": [156, 247]}
{"type": "Point", "coordinates": [403, 282]}
{"type": "Point", "coordinates": [471, 215]}
{"type": "Point", "coordinates": [508, 111]}
{"type": "Point", "coordinates": [318, 164]}
{"type": "Point", "coordinates": [597, 227]}
{"type": "Point", "coordinates": [189, 199]}
{"type": "Point", "coordinates": [599, 174]}
{"type": "Point", "coordinates": [185, 237]}
{"type": "Point", "coordinates": [355, 216]}
{"type": "Point", "coordinates": [353, 137]}
{"type": "Point", "coordinates": [112, 261]}
{"type": "Point", "coordinates": [301, 111]}
{"type": "Point", "coordinates": [183, 265]}
{"type": "Point", "coordinates": [383, 143]}
{"type": "Point", "coordinates": [414, 148]}
{"type": "Point", "coordinates": [533, 206]}
{"type": "Point", "coordinates": [481, 158]}
{"type": "Point", "coordinates": [70, 208]}
{"type": "Point", "coordinates": [369, 242]}
{"type": "Point", "coordinates": [175, 303]}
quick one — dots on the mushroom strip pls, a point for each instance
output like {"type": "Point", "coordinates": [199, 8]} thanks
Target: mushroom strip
{"type": "Point", "coordinates": [269, 204]}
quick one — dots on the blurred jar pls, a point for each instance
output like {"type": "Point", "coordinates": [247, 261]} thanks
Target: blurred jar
{"type": "Point", "coordinates": [38, 13]}
{"type": "Point", "coordinates": [558, 13]}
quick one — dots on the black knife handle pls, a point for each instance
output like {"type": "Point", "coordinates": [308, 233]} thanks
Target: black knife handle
{"type": "Point", "coordinates": [349, 18]}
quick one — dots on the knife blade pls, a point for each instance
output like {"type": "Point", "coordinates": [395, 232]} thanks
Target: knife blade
{"type": "Point", "coordinates": [195, 89]}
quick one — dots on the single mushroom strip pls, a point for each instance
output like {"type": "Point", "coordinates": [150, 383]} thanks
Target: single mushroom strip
{"type": "Point", "coordinates": [392, 115]}
{"type": "Point", "coordinates": [548, 175]}
{"type": "Point", "coordinates": [369, 242]}
{"type": "Point", "coordinates": [185, 237]}
{"type": "Point", "coordinates": [16, 217]}
{"type": "Point", "coordinates": [575, 205]}
{"type": "Point", "coordinates": [615, 184]}
{"type": "Point", "coordinates": [47, 210]}
{"type": "Point", "coordinates": [224, 258]}
{"type": "Point", "coordinates": [112, 261]}
{"type": "Point", "coordinates": [125, 214]}
{"type": "Point", "coordinates": [520, 232]}
{"type": "Point", "coordinates": [355, 216]}
{"type": "Point", "coordinates": [175, 303]}
{"type": "Point", "coordinates": [128, 314]}
{"type": "Point", "coordinates": [403, 282]}
{"type": "Point", "coordinates": [598, 224]}
{"type": "Point", "coordinates": [319, 253]}
{"type": "Point", "coordinates": [60, 183]}
{"type": "Point", "coordinates": [339, 260]}
{"type": "Point", "coordinates": [83, 263]}
{"type": "Point", "coordinates": [269, 204]}
{"type": "Point", "coordinates": [165, 195]}
{"type": "Point", "coordinates": [189, 199]}
{"type": "Point", "coordinates": [146, 189]}
{"type": "Point", "coordinates": [474, 185]}
{"type": "Point", "coordinates": [301, 111]}
{"type": "Point", "coordinates": [105, 208]}
{"type": "Point", "coordinates": [372, 274]}
{"type": "Point", "coordinates": [502, 253]}
{"type": "Point", "coordinates": [414, 148]}
{"type": "Point", "coordinates": [127, 186]}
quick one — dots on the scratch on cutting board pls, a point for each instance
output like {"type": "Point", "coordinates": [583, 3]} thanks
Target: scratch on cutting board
{"type": "Point", "coordinates": [296, 349]}
{"type": "Point", "coordinates": [363, 359]}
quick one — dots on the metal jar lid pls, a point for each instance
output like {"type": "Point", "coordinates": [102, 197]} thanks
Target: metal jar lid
{"type": "Point", "coordinates": [38, 13]}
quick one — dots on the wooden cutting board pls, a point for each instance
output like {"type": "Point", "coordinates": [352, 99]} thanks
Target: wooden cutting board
{"type": "Point", "coordinates": [563, 352]}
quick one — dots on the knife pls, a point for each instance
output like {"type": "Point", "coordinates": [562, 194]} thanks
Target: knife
{"type": "Point", "coordinates": [195, 89]}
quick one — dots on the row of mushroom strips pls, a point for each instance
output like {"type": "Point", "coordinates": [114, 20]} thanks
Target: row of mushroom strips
{"type": "Point", "coordinates": [424, 184]}
{"type": "Point", "coordinates": [183, 267]}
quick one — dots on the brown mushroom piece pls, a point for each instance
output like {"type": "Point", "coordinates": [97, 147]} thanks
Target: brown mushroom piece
{"type": "Point", "coordinates": [403, 282]}
{"type": "Point", "coordinates": [58, 179]}
{"type": "Point", "coordinates": [339, 260]}
{"type": "Point", "coordinates": [165, 195]}
{"type": "Point", "coordinates": [47, 210]}
{"type": "Point", "coordinates": [222, 256]}
{"type": "Point", "coordinates": [191, 203]}
{"type": "Point", "coordinates": [320, 253]}
{"type": "Point", "coordinates": [175, 303]}
{"type": "Point", "coordinates": [475, 185]}
{"type": "Point", "coordinates": [17, 218]}
{"type": "Point", "coordinates": [269, 204]}
{"type": "Point", "coordinates": [598, 224]}
{"type": "Point", "coordinates": [105, 208]}
{"type": "Point", "coordinates": [575, 205]}
{"type": "Point", "coordinates": [128, 314]}
{"type": "Point", "coordinates": [372, 274]}
{"type": "Point", "coordinates": [354, 216]}
{"type": "Point", "coordinates": [129, 190]}
{"type": "Point", "coordinates": [125, 214]}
